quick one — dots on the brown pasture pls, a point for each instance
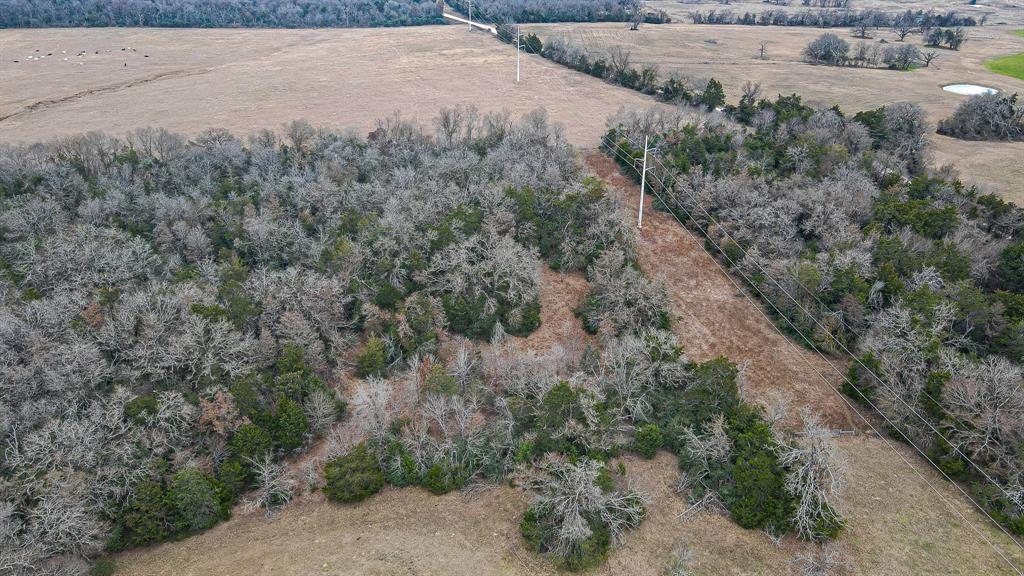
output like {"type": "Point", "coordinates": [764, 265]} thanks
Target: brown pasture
{"type": "Point", "coordinates": [729, 54]}
{"type": "Point", "coordinates": [246, 80]}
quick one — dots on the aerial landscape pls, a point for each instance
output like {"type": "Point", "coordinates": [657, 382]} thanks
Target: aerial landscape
{"type": "Point", "coordinates": [511, 287]}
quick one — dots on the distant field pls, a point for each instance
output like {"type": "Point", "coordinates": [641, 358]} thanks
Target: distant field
{"type": "Point", "coordinates": [728, 53]}
{"type": "Point", "coordinates": [187, 80]}
{"type": "Point", "coordinates": [1008, 65]}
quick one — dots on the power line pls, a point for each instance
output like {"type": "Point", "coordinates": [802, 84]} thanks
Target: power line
{"type": "Point", "coordinates": [627, 158]}
{"type": "Point", "coordinates": [813, 318]}
{"type": "Point", "coordinates": [809, 341]}
{"type": "Point", "coordinates": [843, 346]}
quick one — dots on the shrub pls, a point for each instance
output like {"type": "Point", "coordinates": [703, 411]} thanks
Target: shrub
{"type": "Point", "coordinates": [647, 440]}
{"type": "Point", "coordinates": [145, 519]}
{"type": "Point", "coordinates": [250, 441]}
{"type": "Point", "coordinates": [373, 359]}
{"type": "Point", "coordinates": [289, 425]}
{"type": "Point", "coordinates": [1011, 267]}
{"type": "Point", "coordinates": [103, 567]}
{"type": "Point", "coordinates": [440, 479]}
{"type": "Point", "coordinates": [828, 49]}
{"type": "Point", "coordinates": [587, 553]}
{"type": "Point", "coordinates": [195, 500]}
{"type": "Point", "coordinates": [353, 477]}
{"type": "Point", "coordinates": [573, 519]}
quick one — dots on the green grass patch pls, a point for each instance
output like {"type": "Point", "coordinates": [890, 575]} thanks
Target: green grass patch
{"type": "Point", "coordinates": [1008, 66]}
{"type": "Point", "coordinates": [1018, 32]}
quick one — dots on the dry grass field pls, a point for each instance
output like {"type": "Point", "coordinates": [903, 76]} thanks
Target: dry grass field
{"type": "Point", "coordinates": [904, 519]}
{"type": "Point", "coordinates": [246, 80]}
{"type": "Point", "coordinates": [728, 53]}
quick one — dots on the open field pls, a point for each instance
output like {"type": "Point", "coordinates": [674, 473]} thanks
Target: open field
{"type": "Point", "coordinates": [898, 527]}
{"type": "Point", "coordinates": [728, 53]}
{"type": "Point", "coordinates": [999, 11]}
{"type": "Point", "coordinates": [898, 524]}
{"type": "Point", "coordinates": [1008, 65]}
{"type": "Point", "coordinates": [246, 80]}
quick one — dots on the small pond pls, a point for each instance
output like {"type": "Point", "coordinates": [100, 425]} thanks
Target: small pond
{"type": "Point", "coordinates": [969, 89]}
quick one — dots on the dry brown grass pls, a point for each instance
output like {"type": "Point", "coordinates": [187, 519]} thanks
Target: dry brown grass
{"type": "Point", "coordinates": [731, 58]}
{"type": "Point", "coordinates": [898, 527]}
{"type": "Point", "coordinates": [245, 80]}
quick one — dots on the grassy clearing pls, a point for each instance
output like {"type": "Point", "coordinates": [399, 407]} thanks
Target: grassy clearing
{"type": "Point", "coordinates": [1018, 32]}
{"type": "Point", "coordinates": [1008, 65]}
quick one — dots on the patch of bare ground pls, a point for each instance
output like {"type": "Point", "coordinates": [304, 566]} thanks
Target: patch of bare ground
{"type": "Point", "coordinates": [560, 292]}
{"type": "Point", "coordinates": [396, 532]}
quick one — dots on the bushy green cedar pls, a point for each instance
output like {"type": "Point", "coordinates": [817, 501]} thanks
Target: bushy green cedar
{"type": "Point", "coordinates": [232, 477]}
{"type": "Point", "coordinates": [1011, 267]}
{"type": "Point", "coordinates": [145, 520]}
{"type": "Point", "coordinates": [647, 440]}
{"type": "Point", "coordinates": [195, 500]}
{"type": "Point", "coordinates": [289, 425]}
{"type": "Point", "coordinates": [440, 479]}
{"type": "Point", "coordinates": [439, 381]}
{"type": "Point", "coordinates": [250, 441]}
{"type": "Point", "coordinates": [373, 359]}
{"type": "Point", "coordinates": [353, 477]}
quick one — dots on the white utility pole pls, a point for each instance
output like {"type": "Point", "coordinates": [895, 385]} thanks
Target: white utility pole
{"type": "Point", "coordinates": [517, 52]}
{"type": "Point", "coordinates": [643, 184]}
{"type": "Point", "coordinates": [470, 15]}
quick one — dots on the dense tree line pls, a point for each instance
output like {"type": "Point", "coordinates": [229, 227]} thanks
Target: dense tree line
{"type": "Point", "coordinates": [175, 315]}
{"type": "Point", "coordinates": [854, 244]}
{"type": "Point", "coordinates": [986, 117]}
{"type": "Point", "coordinates": [219, 13]}
{"type": "Point", "coordinates": [616, 67]}
{"type": "Point", "coordinates": [919, 19]}
{"type": "Point", "coordinates": [525, 11]}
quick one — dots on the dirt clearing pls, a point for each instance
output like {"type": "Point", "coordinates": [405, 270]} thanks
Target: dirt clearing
{"type": "Point", "coordinates": [245, 80]}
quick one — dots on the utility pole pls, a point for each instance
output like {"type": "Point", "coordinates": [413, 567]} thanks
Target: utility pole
{"type": "Point", "coordinates": [517, 52]}
{"type": "Point", "coordinates": [643, 185]}
{"type": "Point", "coordinates": [470, 15]}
